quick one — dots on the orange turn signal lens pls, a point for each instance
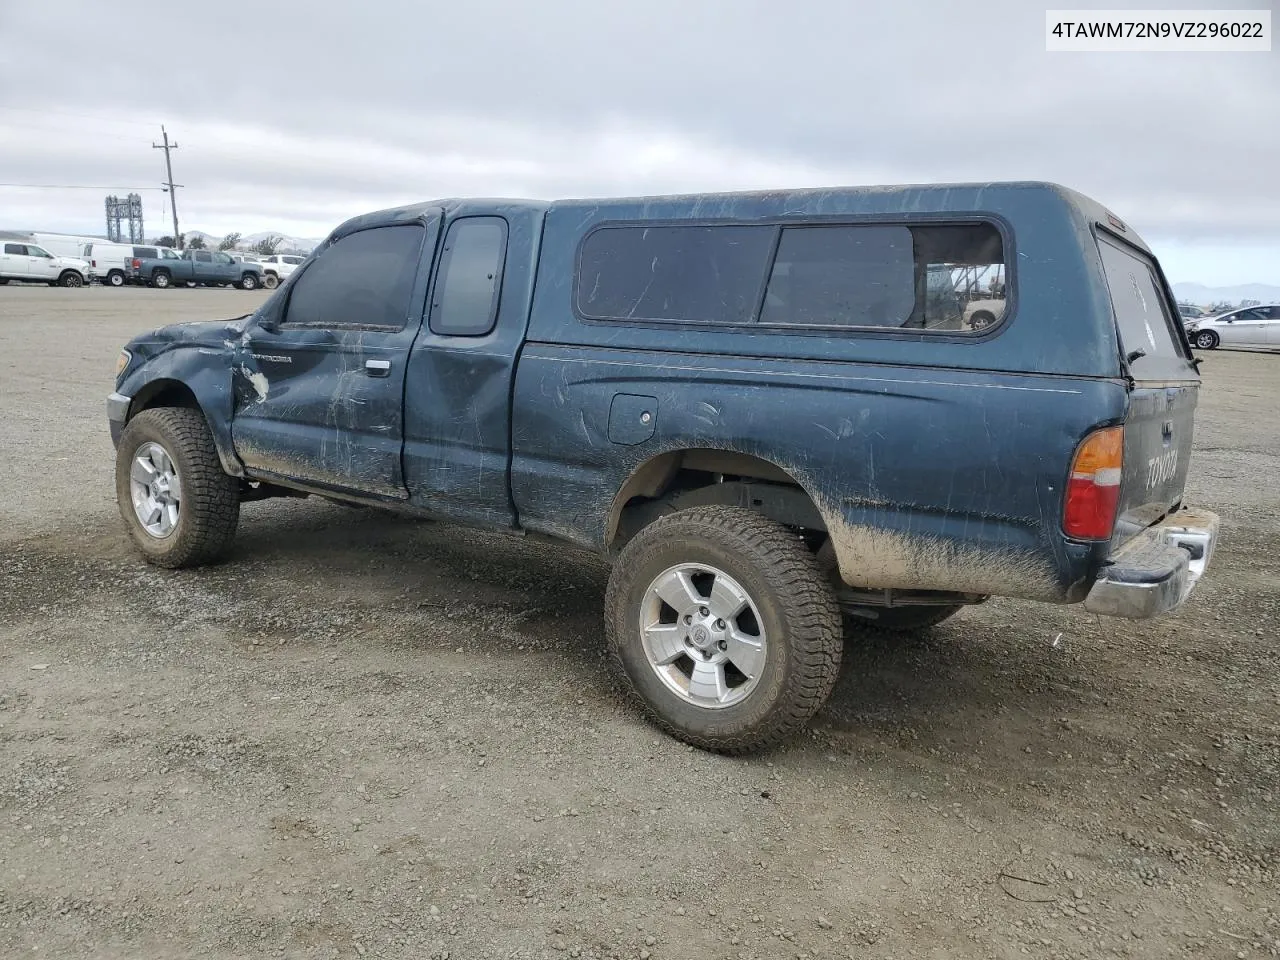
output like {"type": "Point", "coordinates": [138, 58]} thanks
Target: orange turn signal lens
{"type": "Point", "coordinates": [1093, 488]}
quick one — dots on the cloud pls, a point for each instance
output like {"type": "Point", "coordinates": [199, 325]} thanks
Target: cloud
{"type": "Point", "coordinates": [317, 111]}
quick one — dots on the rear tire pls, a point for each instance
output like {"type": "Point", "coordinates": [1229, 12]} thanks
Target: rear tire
{"type": "Point", "coordinates": [161, 280]}
{"type": "Point", "coordinates": [271, 281]}
{"type": "Point", "coordinates": [115, 279]}
{"type": "Point", "coordinates": [736, 681]}
{"type": "Point", "coordinates": [206, 506]}
{"type": "Point", "coordinates": [248, 282]}
{"type": "Point", "coordinates": [70, 278]}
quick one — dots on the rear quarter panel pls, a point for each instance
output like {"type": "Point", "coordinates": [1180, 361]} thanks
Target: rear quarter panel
{"type": "Point", "coordinates": [942, 480]}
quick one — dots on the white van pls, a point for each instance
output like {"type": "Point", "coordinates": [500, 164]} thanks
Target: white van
{"type": "Point", "coordinates": [108, 261]}
{"type": "Point", "coordinates": [63, 244]}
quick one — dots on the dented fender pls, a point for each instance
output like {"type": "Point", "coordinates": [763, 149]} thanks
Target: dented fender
{"type": "Point", "coordinates": [199, 357]}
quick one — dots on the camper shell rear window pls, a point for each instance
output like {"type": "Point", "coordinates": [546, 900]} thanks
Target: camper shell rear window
{"type": "Point", "coordinates": [1144, 317]}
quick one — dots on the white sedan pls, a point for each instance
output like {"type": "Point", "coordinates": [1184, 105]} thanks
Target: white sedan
{"type": "Point", "coordinates": [1248, 327]}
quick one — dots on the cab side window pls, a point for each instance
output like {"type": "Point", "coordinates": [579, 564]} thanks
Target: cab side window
{"type": "Point", "coordinates": [363, 280]}
{"type": "Point", "coordinates": [465, 302]}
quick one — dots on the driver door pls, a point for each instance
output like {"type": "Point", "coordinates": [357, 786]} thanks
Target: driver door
{"type": "Point", "coordinates": [40, 265]}
{"type": "Point", "coordinates": [319, 377]}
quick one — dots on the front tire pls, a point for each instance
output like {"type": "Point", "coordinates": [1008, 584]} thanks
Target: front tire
{"type": "Point", "coordinates": [723, 627]}
{"type": "Point", "coordinates": [1206, 340]}
{"type": "Point", "coordinates": [271, 281]}
{"type": "Point", "coordinates": [248, 282]}
{"type": "Point", "coordinates": [70, 278]}
{"type": "Point", "coordinates": [179, 506]}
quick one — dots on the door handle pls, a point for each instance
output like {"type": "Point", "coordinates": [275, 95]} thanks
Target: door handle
{"type": "Point", "coordinates": [377, 368]}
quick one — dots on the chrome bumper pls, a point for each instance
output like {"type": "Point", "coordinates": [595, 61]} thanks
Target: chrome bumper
{"type": "Point", "coordinates": [1155, 571]}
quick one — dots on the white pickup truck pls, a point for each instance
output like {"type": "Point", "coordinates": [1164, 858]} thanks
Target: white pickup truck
{"type": "Point", "coordinates": [32, 263]}
{"type": "Point", "coordinates": [278, 267]}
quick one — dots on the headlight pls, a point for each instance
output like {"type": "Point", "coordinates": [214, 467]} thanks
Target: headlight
{"type": "Point", "coordinates": [122, 364]}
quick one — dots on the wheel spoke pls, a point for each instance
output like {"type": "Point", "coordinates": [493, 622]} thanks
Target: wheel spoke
{"type": "Point", "coordinates": [727, 599]}
{"type": "Point", "coordinates": [142, 471]}
{"type": "Point", "coordinates": [170, 517]}
{"type": "Point", "coordinates": [745, 652]}
{"type": "Point", "coordinates": [665, 642]}
{"type": "Point", "coordinates": [175, 487]}
{"type": "Point", "coordinates": [707, 681]}
{"type": "Point", "coordinates": [677, 591]}
{"type": "Point", "coordinates": [153, 512]}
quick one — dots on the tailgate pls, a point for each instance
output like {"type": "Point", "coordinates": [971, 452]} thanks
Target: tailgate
{"type": "Point", "coordinates": [1165, 386]}
{"type": "Point", "coordinates": [1157, 451]}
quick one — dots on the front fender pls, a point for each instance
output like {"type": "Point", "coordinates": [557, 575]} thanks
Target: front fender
{"type": "Point", "coordinates": [204, 372]}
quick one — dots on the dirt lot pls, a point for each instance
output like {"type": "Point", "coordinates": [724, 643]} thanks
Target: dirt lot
{"type": "Point", "coordinates": [370, 737]}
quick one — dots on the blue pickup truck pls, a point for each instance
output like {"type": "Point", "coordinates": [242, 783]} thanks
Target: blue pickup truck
{"type": "Point", "coordinates": [204, 268]}
{"type": "Point", "coordinates": [782, 415]}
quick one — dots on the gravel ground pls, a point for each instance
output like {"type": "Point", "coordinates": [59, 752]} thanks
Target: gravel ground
{"type": "Point", "coordinates": [370, 737]}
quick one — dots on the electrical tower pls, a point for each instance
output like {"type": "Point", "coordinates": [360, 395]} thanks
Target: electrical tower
{"type": "Point", "coordinates": [130, 208]}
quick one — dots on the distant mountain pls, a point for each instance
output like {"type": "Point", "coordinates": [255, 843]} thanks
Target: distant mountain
{"type": "Point", "coordinates": [1198, 293]}
{"type": "Point", "coordinates": [300, 244]}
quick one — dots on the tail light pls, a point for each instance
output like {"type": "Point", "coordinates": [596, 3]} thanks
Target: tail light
{"type": "Point", "coordinates": [136, 264]}
{"type": "Point", "coordinates": [93, 263]}
{"type": "Point", "coordinates": [1093, 489]}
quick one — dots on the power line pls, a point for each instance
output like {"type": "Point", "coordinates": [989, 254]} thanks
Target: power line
{"type": "Point", "coordinates": [79, 116]}
{"type": "Point", "coordinates": [64, 128]}
{"type": "Point", "coordinates": [71, 186]}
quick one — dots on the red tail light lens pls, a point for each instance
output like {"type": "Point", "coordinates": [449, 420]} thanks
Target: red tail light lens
{"type": "Point", "coordinates": [137, 264]}
{"type": "Point", "coordinates": [1093, 488]}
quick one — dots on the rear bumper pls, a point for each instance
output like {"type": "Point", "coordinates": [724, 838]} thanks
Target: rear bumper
{"type": "Point", "coordinates": [1154, 572]}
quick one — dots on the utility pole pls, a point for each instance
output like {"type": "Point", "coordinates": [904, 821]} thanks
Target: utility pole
{"type": "Point", "coordinates": [170, 185]}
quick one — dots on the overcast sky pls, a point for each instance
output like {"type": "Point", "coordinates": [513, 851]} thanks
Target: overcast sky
{"type": "Point", "coordinates": [293, 116]}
